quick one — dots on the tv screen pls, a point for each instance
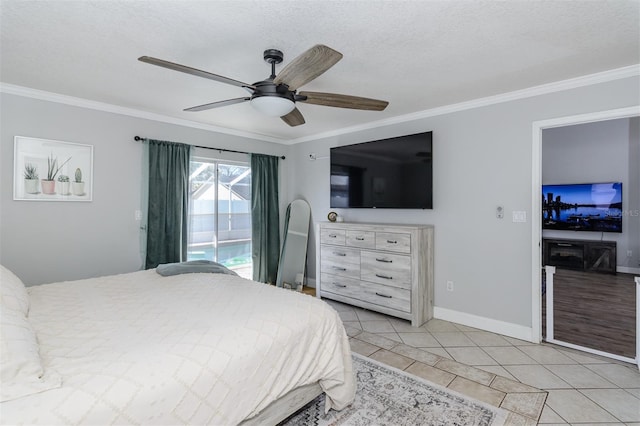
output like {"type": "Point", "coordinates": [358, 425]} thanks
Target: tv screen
{"type": "Point", "coordinates": [395, 173]}
{"type": "Point", "coordinates": [583, 207]}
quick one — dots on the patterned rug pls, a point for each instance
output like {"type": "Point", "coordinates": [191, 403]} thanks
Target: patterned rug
{"type": "Point", "coordinates": [388, 396]}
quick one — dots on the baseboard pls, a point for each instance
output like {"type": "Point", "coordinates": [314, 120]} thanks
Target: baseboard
{"type": "Point", "coordinates": [628, 270]}
{"type": "Point", "coordinates": [495, 326]}
{"type": "Point", "coordinates": [635, 361]}
{"type": "Point", "coordinates": [311, 282]}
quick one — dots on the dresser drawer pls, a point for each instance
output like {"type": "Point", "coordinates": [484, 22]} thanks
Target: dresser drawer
{"type": "Point", "coordinates": [393, 241]}
{"type": "Point", "coordinates": [332, 236]}
{"type": "Point", "coordinates": [340, 254]}
{"type": "Point", "coordinates": [344, 286]}
{"type": "Point", "coordinates": [340, 261]}
{"type": "Point", "coordinates": [386, 268]}
{"type": "Point", "coordinates": [390, 297]}
{"type": "Point", "coordinates": [362, 239]}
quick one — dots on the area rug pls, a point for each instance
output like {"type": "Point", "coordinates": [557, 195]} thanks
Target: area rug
{"type": "Point", "coordinates": [388, 396]}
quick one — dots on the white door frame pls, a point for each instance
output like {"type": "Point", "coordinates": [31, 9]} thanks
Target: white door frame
{"type": "Point", "coordinates": [536, 202]}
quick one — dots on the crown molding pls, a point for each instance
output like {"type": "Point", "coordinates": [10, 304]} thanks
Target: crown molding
{"type": "Point", "coordinates": [587, 80]}
{"type": "Point", "coordinates": [558, 86]}
{"type": "Point", "coordinates": [27, 92]}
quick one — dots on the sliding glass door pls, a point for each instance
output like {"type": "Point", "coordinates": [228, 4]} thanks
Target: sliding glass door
{"type": "Point", "coordinates": [220, 214]}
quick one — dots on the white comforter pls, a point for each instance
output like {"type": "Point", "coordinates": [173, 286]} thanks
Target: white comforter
{"type": "Point", "coordinates": [188, 349]}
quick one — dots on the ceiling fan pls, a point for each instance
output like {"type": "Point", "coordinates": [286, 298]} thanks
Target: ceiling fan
{"type": "Point", "coordinates": [277, 95]}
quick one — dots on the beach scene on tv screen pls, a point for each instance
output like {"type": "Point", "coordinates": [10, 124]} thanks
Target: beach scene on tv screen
{"type": "Point", "coordinates": [583, 207]}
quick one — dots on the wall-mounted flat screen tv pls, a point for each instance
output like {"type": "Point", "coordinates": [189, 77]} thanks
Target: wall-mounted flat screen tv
{"type": "Point", "coordinates": [583, 207]}
{"type": "Point", "coordinates": [395, 173]}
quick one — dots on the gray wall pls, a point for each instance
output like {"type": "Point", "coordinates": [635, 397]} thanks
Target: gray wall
{"type": "Point", "coordinates": [482, 159]}
{"type": "Point", "coordinates": [598, 152]}
{"type": "Point", "coordinates": [54, 241]}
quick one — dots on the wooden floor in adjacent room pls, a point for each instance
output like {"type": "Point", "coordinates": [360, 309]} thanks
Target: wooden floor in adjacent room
{"type": "Point", "coordinates": [595, 310]}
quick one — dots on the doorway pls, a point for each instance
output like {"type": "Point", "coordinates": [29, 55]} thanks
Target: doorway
{"type": "Point", "coordinates": [538, 286]}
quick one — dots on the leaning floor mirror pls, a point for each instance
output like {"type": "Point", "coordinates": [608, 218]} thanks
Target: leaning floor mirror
{"type": "Point", "coordinates": [293, 257]}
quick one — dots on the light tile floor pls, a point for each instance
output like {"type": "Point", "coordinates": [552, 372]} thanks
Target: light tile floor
{"type": "Point", "coordinates": [547, 384]}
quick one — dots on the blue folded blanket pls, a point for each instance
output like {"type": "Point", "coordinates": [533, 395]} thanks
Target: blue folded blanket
{"type": "Point", "coordinates": [193, 266]}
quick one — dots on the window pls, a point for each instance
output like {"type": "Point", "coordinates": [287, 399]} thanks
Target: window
{"type": "Point", "coordinates": [220, 214]}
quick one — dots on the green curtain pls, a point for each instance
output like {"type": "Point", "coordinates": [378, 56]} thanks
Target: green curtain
{"type": "Point", "coordinates": [265, 217]}
{"type": "Point", "coordinates": [168, 205]}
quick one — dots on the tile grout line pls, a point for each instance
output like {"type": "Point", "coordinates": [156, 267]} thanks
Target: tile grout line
{"type": "Point", "coordinates": [580, 360]}
{"type": "Point", "coordinates": [456, 376]}
{"type": "Point", "coordinates": [595, 402]}
{"type": "Point", "coordinates": [572, 387]}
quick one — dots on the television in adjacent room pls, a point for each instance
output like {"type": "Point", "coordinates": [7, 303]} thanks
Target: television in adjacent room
{"type": "Point", "coordinates": [583, 207]}
{"type": "Point", "coordinates": [395, 173]}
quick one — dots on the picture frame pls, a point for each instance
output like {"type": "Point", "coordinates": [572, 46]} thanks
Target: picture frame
{"type": "Point", "coordinates": [50, 170]}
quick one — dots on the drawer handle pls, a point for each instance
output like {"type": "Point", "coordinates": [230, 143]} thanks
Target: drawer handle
{"type": "Point", "coordinates": [383, 295]}
{"type": "Point", "coordinates": [384, 276]}
{"type": "Point", "coordinates": [392, 242]}
{"type": "Point", "coordinates": [564, 245]}
{"type": "Point", "coordinates": [360, 238]}
{"type": "Point", "coordinates": [384, 260]}
{"type": "Point", "coordinates": [337, 253]}
{"type": "Point", "coordinates": [333, 236]}
{"type": "Point", "coordinates": [339, 285]}
{"type": "Point", "coordinates": [337, 268]}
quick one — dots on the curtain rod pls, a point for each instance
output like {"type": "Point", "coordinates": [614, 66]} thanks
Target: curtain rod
{"type": "Point", "coordinates": [138, 138]}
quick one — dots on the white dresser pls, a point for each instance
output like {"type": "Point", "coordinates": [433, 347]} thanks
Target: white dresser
{"type": "Point", "coordinates": [381, 267]}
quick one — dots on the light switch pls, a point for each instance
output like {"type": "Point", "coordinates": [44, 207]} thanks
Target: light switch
{"type": "Point", "coordinates": [138, 214]}
{"type": "Point", "coordinates": [519, 216]}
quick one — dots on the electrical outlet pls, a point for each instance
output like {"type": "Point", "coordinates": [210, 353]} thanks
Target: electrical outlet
{"type": "Point", "coordinates": [500, 212]}
{"type": "Point", "coordinates": [629, 253]}
{"type": "Point", "coordinates": [519, 216]}
{"type": "Point", "coordinates": [449, 285]}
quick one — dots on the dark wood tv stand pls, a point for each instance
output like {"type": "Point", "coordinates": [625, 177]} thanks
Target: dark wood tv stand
{"type": "Point", "coordinates": [580, 255]}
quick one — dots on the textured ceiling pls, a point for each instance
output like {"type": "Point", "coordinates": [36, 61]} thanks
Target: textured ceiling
{"type": "Point", "coordinates": [415, 54]}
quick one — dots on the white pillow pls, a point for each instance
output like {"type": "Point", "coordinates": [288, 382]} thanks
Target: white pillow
{"type": "Point", "coordinates": [21, 371]}
{"type": "Point", "coordinates": [13, 293]}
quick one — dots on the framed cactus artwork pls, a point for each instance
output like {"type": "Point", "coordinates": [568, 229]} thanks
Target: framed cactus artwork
{"type": "Point", "coordinates": [48, 170]}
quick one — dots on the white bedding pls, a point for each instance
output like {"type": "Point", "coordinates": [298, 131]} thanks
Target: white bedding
{"type": "Point", "coordinates": [187, 349]}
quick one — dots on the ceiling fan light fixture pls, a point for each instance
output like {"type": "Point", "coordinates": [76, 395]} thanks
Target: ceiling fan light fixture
{"type": "Point", "coordinates": [274, 106]}
{"type": "Point", "coordinates": [277, 95]}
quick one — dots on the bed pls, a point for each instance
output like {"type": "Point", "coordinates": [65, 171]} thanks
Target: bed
{"type": "Point", "coordinates": [140, 348]}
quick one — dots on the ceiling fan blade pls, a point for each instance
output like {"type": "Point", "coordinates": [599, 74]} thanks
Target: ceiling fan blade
{"type": "Point", "coordinates": [294, 118]}
{"type": "Point", "coordinates": [217, 104]}
{"type": "Point", "coordinates": [193, 71]}
{"type": "Point", "coordinates": [308, 66]}
{"type": "Point", "coordinates": [343, 101]}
